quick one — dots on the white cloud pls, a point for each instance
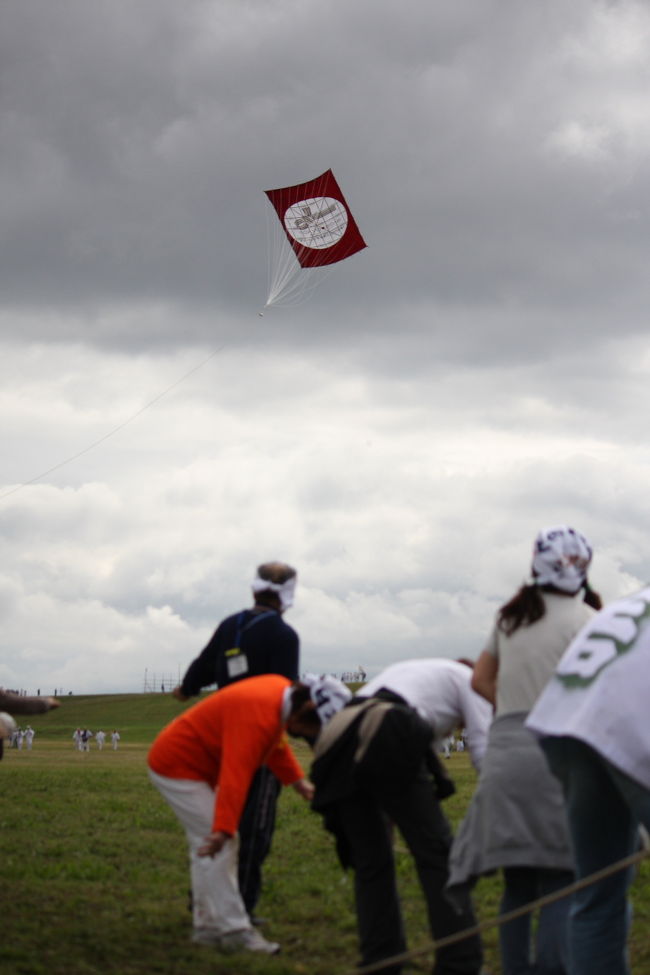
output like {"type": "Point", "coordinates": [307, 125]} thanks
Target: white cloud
{"type": "Point", "coordinates": [581, 141]}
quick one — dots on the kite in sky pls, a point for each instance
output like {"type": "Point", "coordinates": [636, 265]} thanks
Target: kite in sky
{"type": "Point", "coordinates": [319, 227]}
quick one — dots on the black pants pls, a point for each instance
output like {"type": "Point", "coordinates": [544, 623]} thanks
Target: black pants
{"type": "Point", "coordinates": [255, 834]}
{"type": "Point", "coordinates": [364, 818]}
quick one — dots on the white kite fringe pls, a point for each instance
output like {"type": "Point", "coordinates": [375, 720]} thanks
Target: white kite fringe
{"type": "Point", "coordinates": [288, 283]}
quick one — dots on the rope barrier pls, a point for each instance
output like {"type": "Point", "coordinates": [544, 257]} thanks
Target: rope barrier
{"type": "Point", "coordinates": [452, 939]}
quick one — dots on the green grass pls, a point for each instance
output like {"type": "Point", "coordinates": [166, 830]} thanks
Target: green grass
{"type": "Point", "coordinates": [95, 866]}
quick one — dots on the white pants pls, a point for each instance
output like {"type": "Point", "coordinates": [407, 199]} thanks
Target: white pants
{"type": "Point", "coordinates": [217, 903]}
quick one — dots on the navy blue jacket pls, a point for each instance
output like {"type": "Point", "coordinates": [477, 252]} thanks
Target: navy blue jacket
{"type": "Point", "coordinates": [248, 644]}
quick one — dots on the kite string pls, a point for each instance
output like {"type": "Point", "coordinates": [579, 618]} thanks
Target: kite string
{"type": "Point", "coordinates": [111, 433]}
{"type": "Point", "coordinates": [287, 282]}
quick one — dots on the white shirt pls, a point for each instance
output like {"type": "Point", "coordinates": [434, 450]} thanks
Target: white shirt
{"type": "Point", "coordinates": [440, 691]}
{"type": "Point", "coordinates": [529, 656]}
{"type": "Point", "coordinates": [599, 692]}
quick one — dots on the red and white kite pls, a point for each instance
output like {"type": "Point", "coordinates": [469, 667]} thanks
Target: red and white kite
{"type": "Point", "coordinates": [317, 221]}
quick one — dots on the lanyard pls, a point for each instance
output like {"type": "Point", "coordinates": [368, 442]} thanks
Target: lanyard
{"type": "Point", "coordinates": [256, 619]}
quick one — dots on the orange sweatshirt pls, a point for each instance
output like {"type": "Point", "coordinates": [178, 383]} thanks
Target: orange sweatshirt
{"type": "Point", "coordinates": [224, 739]}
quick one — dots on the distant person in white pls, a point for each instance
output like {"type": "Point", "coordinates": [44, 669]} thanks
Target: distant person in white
{"type": "Point", "coordinates": [115, 737]}
{"type": "Point", "coordinates": [29, 737]}
{"type": "Point", "coordinates": [595, 722]}
{"type": "Point", "coordinates": [447, 746]}
{"type": "Point", "coordinates": [100, 738]}
{"type": "Point", "coordinates": [76, 737]}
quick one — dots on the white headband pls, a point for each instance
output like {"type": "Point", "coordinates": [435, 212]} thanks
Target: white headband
{"type": "Point", "coordinates": [328, 694]}
{"type": "Point", "coordinates": [561, 558]}
{"type": "Point", "coordinates": [285, 590]}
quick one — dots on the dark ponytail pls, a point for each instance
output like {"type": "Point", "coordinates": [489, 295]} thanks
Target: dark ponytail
{"type": "Point", "coordinates": [525, 607]}
{"type": "Point", "coordinates": [591, 597]}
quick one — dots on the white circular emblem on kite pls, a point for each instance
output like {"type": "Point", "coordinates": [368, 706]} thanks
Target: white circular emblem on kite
{"type": "Point", "coordinates": [317, 223]}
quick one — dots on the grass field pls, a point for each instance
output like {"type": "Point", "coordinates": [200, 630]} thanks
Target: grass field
{"type": "Point", "coordinates": [95, 866]}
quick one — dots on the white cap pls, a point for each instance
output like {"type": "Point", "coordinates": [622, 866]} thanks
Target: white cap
{"type": "Point", "coordinates": [561, 558]}
{"type": "Point", "coordinates": [328, 693]}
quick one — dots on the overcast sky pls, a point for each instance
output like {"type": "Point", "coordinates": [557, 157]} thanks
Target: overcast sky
{"type": "Point", "coordinates": [479, 371]}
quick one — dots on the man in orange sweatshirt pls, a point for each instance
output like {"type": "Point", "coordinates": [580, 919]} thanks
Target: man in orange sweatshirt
{"type": "Point", "coordinates": [203, 764]}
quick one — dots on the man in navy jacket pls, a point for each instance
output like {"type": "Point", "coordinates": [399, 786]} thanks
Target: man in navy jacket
{"type": "Point", "coordinates": [250, 643]}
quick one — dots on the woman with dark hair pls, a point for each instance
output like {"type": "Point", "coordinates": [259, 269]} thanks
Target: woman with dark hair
{"type": "Point", "coordinates": [516, 821]}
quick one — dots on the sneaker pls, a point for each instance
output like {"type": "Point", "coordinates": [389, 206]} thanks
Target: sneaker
{"type": "Point", "coordinates": [206, 936]}
{"type": "Point", "coordinates": [248, 940]}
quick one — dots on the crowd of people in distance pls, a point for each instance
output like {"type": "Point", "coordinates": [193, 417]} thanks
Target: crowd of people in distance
{"type": "Point", "coordinates": [22, 736]}
{"type": "Point", "coordinates": [19, 703]}
{"type": "Point", "coordinates": [357, 676]}
{"type": "Point", "coordinates": [82, 738]}
{"type": "Point", "coordinates": [12, 703]}
{"type": "Point", "coordinates": [454, 743]}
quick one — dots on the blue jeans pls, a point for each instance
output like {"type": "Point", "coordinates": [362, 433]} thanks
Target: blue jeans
{"type": "Point", "coordinates": [604, 807]}
{"type": "Point", "coordinates": [522, 885]}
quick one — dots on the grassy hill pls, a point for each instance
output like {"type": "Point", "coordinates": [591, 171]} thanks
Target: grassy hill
{"type": "Point", "coordinates": [138, 717]}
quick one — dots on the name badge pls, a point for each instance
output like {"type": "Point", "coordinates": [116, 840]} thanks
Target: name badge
{"type": "Point", "coordinates": [236, 665]}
